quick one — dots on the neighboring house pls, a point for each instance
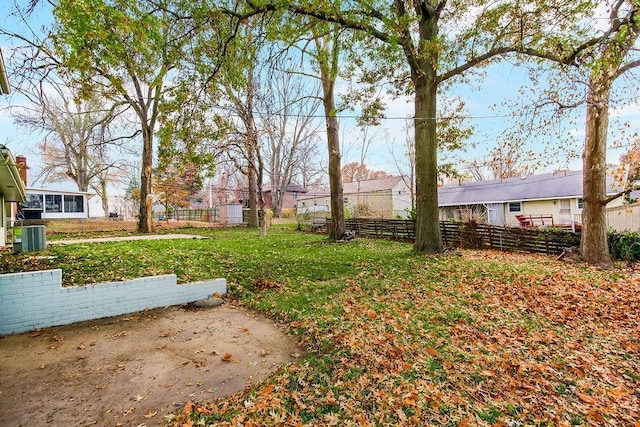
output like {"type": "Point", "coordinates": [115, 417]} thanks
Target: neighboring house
{"type": "Point", "coordinates": [41, 203]}
{"type": "Point", "coordinates": [11, 190]}
{"type": "Point", "coordinates": [553, 199]}
{"type": "Point", "coordinates": [290, 198]}
{"type": "Point", "coordinates": [380, 198]}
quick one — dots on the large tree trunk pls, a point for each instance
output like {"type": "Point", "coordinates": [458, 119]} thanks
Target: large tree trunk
{"type": "Point", "coordinates": [425, 79]}
{"type": "Point", "coordinates": [338, 227]}
{"type": "Point", "coordinates": [428, 238]}
{"type": "Point", "coordinates": [593, 246]}
{"type": "Point", "coordinates": [145, 219]}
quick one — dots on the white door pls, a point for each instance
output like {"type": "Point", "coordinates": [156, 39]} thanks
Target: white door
{"type": "Point", "coordinates": [564, 211]}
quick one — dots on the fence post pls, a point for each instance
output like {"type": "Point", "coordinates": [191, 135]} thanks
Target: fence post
{"type": "Point", "coordinates": [490, 237]}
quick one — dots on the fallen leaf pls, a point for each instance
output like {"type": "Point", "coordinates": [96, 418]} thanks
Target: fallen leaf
{"type": "Point", "coordinates": [432, 351]}
{"type": "Point", "coordinates": [586, 398]}
{"type": "Point", "coordinates": [150, 414]}
{"type": "Point", "coordinates": [410, 401]}
{"type": "Point", "coordinates": [188, 408]}
{"type": "Point", "coordinates": [227, 358]}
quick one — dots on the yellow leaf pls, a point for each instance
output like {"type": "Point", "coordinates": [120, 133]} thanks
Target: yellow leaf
{"type": "Point", "coordinates": [150, 414]}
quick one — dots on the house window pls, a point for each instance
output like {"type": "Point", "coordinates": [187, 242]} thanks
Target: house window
{"type": "Point", "coordinates": [74, 203]}
{"type": "Point", "coordinates": [580, 203]}
{"type": "Point", "coordinates": [515, 207]}
{"type": "Point", "coordinates": [295, 194]}
{"type": "Point", "coordinates": [53, 203]}
{"type": "Point", "coordinates": [34, 201]}
{"type": "Point", "coordinates": [304, 204]}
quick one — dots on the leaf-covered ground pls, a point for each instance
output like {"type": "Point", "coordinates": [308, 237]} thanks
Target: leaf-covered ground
{"type": "Point", "coordinates": [481, 339]}
{"type": "Point", "coordinates": [397, 338]}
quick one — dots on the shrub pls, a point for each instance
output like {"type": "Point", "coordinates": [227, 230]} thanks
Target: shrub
{"type": "Point", "coordinates": [624, 245]}
{"type": "Point", "coordinates": [287, 213]}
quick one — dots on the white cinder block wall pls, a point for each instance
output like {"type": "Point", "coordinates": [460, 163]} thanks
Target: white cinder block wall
{"type": "Point", "coordinates": [36, 299]}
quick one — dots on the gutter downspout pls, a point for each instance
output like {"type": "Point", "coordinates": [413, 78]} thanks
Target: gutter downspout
{"type": "Point", "coordinates": [4, 81]}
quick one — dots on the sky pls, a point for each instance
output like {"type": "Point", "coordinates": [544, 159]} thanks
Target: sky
{"type": "Point", "coordinates": [483, 98]}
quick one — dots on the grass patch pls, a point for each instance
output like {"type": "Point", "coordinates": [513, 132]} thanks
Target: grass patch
{"type": "Point", "coordinates": [394, 337]}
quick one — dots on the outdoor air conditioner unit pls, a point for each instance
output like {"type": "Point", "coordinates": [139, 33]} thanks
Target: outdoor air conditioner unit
{"type": "Point", "coordinates": [29, 238]}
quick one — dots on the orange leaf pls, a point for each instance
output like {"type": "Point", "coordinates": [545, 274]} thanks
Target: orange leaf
{"type": "Point", "coordinates": [409, 401]}
{"type": "Point", "coordinates": [188, 408]}
{"type": "Point", "coordinates": [586, 398]}
{"type": "Point", "coordinates": [463, 423]}
{"type": "Point", "coordinates": [615, 392]}
{"type": "Point", "coordinates": [267, 390]}
{"type": "Point", "coordinates": [371, 314]}
{"type": "Point", "coordinates": [432, 351]}
{"type": "Point", "coordinates": [227, 358]}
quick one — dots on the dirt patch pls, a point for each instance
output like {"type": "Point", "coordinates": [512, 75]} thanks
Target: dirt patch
{"type": "Point", "coordinates": [134, 369]}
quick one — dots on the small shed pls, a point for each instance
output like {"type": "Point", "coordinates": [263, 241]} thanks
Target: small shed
{"type": "Point", "coordinates": [231, 213]}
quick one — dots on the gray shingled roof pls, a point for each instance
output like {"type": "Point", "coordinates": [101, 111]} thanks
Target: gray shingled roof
{"type": "Point", "coordinates": [536, 187]}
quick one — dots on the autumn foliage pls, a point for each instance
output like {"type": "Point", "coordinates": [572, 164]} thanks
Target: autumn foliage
{"type": "Point", "coordinates": [482, 339]}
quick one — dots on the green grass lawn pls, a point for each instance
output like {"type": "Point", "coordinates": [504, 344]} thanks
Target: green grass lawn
{"type": "Point", "coordinates": [397, 338]}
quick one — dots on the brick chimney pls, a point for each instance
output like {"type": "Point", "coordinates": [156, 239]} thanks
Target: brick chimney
{"type": "Point", "coordinates": [21, 162]}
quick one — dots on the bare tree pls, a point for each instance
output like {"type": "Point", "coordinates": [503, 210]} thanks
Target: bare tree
{"type": "Point", "coordinates": [79, 143]}
{"type": "Point", "coordinates": [288, 110]}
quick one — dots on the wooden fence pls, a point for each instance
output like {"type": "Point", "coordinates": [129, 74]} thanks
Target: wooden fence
{"type": "Point", "coordinates": [471, 235]}
{"type": "Point", "coordinates": [207, 215]}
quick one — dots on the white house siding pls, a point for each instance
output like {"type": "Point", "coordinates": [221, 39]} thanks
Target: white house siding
{"type": "Point", "coordinates": [376, 204]}
{"type": "Point", "coordinates": [401, 200]}
{"type": "Point", "coordinates": [624, 218]}
{"type": "Point", "coordinates": [543, 207]}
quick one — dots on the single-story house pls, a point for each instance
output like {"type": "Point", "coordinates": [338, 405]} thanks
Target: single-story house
{"type": "Point", "coordinates": [42, 203]}
{"type": "Point", "coordinates": [553, 199]}
{"type": "Point", "coordinates": [11, 190]}
{"type": "Point", "coordinates": [380, 198]}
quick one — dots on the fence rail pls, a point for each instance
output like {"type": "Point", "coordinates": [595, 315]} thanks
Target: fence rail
{"type": "Point", "coordinates": [471, 235]}
{"type": "Point", "coordinates": [207, 215]}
